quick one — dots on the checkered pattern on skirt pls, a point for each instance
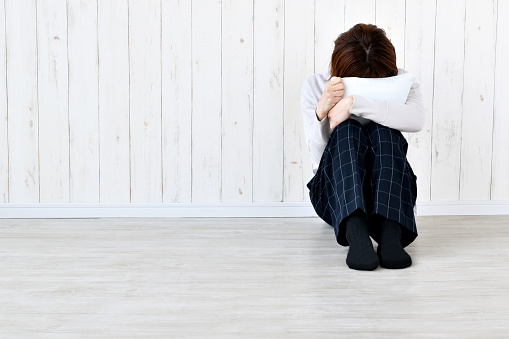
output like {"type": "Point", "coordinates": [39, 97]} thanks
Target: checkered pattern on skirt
{"type": "Point", "coordinates": [365, 167]}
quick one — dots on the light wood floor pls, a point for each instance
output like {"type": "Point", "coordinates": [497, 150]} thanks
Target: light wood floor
{"type": "Point", "coordinates": [122, 278]}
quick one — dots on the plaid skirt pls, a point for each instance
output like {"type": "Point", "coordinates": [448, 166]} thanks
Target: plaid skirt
{"type": "Point", "coordinates": [365, 167]}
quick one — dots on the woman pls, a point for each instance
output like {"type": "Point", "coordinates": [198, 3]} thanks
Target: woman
{"type": "Point", "coordinates": [363, 184]}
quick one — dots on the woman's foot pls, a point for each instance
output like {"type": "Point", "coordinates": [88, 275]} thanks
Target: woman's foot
{"type": "Point", "coordinates": [390, 251]}
{"type": "Point", "coordinates": [361, 255]}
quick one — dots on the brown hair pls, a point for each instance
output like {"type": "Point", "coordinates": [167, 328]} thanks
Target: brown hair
{"type": "Point", "coordinates": [363, 51]}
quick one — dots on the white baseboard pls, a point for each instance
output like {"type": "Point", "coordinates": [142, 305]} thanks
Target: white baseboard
{"type": "Point", "coordinates": [226, 210]}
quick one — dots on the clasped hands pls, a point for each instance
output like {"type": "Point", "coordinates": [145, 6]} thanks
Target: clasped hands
{"type": "Point", "coordinates": [332, 104]}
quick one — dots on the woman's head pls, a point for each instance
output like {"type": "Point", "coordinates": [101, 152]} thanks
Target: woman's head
{"type": "Point", "coordinates": [363, 51]}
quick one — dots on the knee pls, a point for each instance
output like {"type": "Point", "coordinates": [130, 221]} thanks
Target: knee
{"type": "Point", "coordinates": [387, 139]}
{"type": "Point", "coordinates": [346, 129]}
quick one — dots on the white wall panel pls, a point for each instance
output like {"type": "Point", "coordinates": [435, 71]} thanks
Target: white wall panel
{"type": "Point", "coordinates": [145, 100]}
{"type": "Point", "coordinates": [478, 90]}
{"type": "Point", "coordinates": [206, 120]}
{"type": "Point", "coordinates": [198, 101]}
{"type": "Point", "coordinates": [23, 125]}
{"type": "Point", "coordinates": [52, 88]}
{"type": "Point", "coordinates": [420, 60]}
{"type": "Point", "coordinates": [114, 158]}
{"type": "Point", "coordinates": [83, 100]}
{"type": "Point", "coordinates": [500, 164]}
{"type": "Point", "coordinates": [447, 100]}
{"type": "Point", "coordinates": [359, 12]}
{"type": "Point", "coordinates": [391, 17]}
{"type": "Point", "coordinates": [4, 142]}
{"type": "Point", "coordinates": [237, 101]}
{"type": "Point", "coordinates": [298, 65]}
{"type": "Point", "coordinates": [176, 100]}
{"type": "Point", "coordinates": [268, 104]}
{"type": "Point", "coordinates": [329, 24]}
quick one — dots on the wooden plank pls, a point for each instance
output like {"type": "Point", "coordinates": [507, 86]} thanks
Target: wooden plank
{"type": "Point", "coordinates": [500, 164]}
{"type": "Point", "coordinates": [391, 17]}
{"type": "Point", "coordinates": [237, 101]}
{"type": "Point", "coordinates": [478, 84]}
{"type": "Point", "coordinates": [329, 23]}
{"type": "Point", "coordinates": [145, 100]}
{"type": "Point", "coordinates": [53, 100]}
{"type": "Point", "coordinates": [448, 103]}
{"type": "Point", "coordinates": [247, 278]}
{"type": "Point", "coordinates": [359, 12]}
{"type": "Point", "coordinates": [23, 125]}
{"type": "Point", "coordinates": [206, 120]}
{"type": "Point", "coordinates": [298, 65]}
{"type": "Point", "coordinates": [268, 101]}
{"type": "Point", "coordinates": [113, 101]}
{"type": "Point", "coordinates": [83, 101]}
{"type": "Point", "coordinates": [4, 148]}
{"type": "Point", "coordinates": [419, 59]}
{"type": "Point", "coordinates": [176, 100]}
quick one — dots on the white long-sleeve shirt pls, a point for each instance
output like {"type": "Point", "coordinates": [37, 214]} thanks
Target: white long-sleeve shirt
{"type": "Point", "coordinates": [375, 99]}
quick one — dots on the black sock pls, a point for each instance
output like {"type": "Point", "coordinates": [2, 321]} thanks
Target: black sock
{"type": "Point", "coordinates": [361, 255]}
{"type": "Point", "coordinates": [391, 252]}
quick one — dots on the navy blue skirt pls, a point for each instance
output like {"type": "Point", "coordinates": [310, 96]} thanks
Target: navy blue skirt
{"type": "Point", "coordinates": [365, 167]}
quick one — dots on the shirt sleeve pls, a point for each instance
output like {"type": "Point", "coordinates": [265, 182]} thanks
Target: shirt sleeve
{"type": "Point", "coordinates": [407, 117]}
{"type": "Point", "coordinates": [317, 132]}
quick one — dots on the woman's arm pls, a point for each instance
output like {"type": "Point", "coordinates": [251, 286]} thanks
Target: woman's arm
{"type": "Point", "coordinates": [317, 132]}
{"type": "Point", "coordinates": [407, 117]}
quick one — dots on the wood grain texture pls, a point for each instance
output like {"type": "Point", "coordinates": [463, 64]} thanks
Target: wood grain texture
{"type": "Point", "coordinates": [21, 39]}
{"type": "Point", "coordinates": [268, 52]}
{"type": "Point", "coordinates": [167, 104]}
{"type": "Point", "coordinates": [114, 136]}
{"type": "Point", "coordinates": [420, 60]}
{"type": "Point", "coordinates": [4, 141]}
{"type": "Point", "coordinates": [391, 17]}
{"type": "Point", "coordinates": [252, 278]}
{"type": "Point", "coordinates": [329, 24]}
{"type": "Point", "coordinates": [145, 100]}
{"type": "Point", "coordinates": [83, 100]}
{"type": "Point", "coordinates": [176, 100]}
{"type": "Point", "coordinates": [447, 101]}
{"type": "Point", "coordinates": [237, 101]}
{"type": "Point", "coordinates": [500, 164]}
{"type": "Point", "coordinates": [298, 65]}
{"type": "Point", "coordinates": [52, 87]}
{"type": "Point", "coordinates": [477, 120]}
{"type": "Point", "coordinates": [359, 12]}
{"type": "Point", "coordinates": [206, 121]}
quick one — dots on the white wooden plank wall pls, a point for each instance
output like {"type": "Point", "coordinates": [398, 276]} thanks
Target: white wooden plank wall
{"type": "Point", "coordinates": [420, 59]}
{"type": "Point", "coordinates": [206, 142]}
{"type": "Point", "coordinates": [4, 154]}
{"type": "Point", "coordinates": [52, 90]}
{"type": "Point", "coordinates": [83, 101]}
{"type": "Point", "coordinates": [22, 101]}
{"type": "Point", "coordinates": [114, 110]}
{"type": "Point", "coordinates": [176, 100]}
{"type": "Point", "coordinates": [500, 163]}
{"type": "Point", "coordinates": [269, 24]}
{"type": "Point", "coordinates": [478, 90]}
{"type": "Point", "coordinates": [299, 63]}
{"type": "Point", "coordinates": [237, 101]}
{"type": "Point", "coordinates": [447, 99]}
{"type": "Point", "coordinates": [199, 100]}
{"type": "Point", "coordinates": [145, 100]}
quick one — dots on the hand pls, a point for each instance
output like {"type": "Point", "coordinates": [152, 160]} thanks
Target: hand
{"type": "Point", "coordinates": [332, 94]}
{"type": "Point", "coordinates": [340, 112]}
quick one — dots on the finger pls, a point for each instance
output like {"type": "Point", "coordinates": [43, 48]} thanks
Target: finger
{"type": "Point", "coordinates": [338, 87]}
{"type": "Point", "coordinates": [335, 80]}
